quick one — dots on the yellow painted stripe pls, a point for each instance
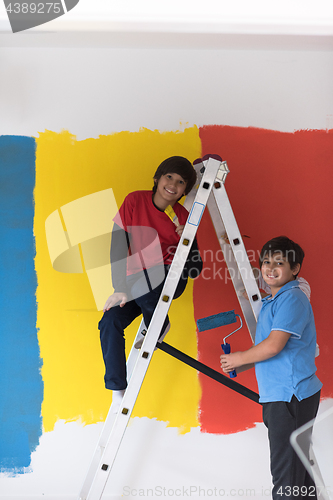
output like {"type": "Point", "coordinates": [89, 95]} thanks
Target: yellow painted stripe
{"type": "Point", "coordinates": [67, 317]}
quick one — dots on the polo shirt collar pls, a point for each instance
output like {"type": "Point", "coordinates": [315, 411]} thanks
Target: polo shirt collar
{"type": "Point", "coordinates": [287, 286]}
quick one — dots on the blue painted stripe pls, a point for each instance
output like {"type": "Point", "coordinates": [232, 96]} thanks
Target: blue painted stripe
{"type": "Point", "coordinates": [21, 386]}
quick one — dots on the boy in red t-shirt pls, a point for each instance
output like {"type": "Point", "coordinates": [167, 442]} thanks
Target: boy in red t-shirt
{"type": "Point", "coordinates": [143, 244]}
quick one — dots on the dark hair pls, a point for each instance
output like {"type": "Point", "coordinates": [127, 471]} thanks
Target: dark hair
{"type": "Point", "coordinates": [177, 165]}
{"type": "Point", "coordinates": [288, 248]}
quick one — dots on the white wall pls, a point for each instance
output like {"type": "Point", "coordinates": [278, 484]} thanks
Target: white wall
{"type": "Point", "coordinates": [95, 91]}
{"type": "Point", "coordinates": [240, 16]}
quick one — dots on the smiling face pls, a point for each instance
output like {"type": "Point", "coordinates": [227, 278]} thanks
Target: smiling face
{"type": "Point", "coordinates": [276, 271]}
{"type": "Point", "coordinates": [170, 187]}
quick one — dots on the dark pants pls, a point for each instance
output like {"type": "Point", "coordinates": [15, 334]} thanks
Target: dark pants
{"type": "Point", "coordinates": [114, 322]}
{"type": "Point", "coordinates": [287, 470]}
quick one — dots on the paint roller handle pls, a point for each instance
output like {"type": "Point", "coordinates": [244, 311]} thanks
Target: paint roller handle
{"type": "Point", "coordinates": [226, 350]}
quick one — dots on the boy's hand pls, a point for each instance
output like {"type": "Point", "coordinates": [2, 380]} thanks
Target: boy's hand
{"type": "Point", "coordinates": [243, 293]}
{"type": "Point", "coordinates": [117, 298]}
{"type": "Point", "coordinates": [230, 362]}
{"type": "Point", "coordinates": [225, 238]}
{"type": "Point", "coordinates": [179, 230]}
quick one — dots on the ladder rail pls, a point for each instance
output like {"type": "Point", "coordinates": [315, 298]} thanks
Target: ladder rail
{"type": "Point", "coordinates": [108, 425]}
{"type": "Point", "coordinates": [235, 256]}
{"type": "Point", "coordinates": [238, 248]}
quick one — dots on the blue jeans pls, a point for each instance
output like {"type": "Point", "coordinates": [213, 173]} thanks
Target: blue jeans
{"type": "Point", "coordinates": [116, 319]}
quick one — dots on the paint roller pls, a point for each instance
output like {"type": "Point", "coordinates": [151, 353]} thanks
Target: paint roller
{"type": "Point", "coordinates": [217, 320]}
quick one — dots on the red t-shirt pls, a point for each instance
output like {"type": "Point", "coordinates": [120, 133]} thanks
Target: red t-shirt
{"type": "Point", "coordinates": [153, 239]}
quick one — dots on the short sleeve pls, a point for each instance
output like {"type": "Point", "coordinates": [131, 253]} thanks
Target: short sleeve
{"type": "Point", "coordinates": [290, 314]}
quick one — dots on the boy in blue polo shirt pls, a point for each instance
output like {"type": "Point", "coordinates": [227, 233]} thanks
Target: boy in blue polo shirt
{"type": "Point", "coordinates": [284, 359]}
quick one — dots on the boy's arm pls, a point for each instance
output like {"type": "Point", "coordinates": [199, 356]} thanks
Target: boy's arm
{"type": "Point", "coordinates": [118, 257]}
{"type": "Point", "coordinates": [118, 254]}
{"type": "Point", "coordinates": [266, 349]}
{"type": "Point", "coordinates": [243, 368]}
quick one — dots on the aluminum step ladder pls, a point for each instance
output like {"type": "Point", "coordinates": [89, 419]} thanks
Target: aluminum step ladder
{"type": "Point", "coordinates": [211, 173]}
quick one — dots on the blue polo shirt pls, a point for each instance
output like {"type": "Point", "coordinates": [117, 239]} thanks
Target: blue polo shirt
{"type": "Point", "coordinates": [293, 370]}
